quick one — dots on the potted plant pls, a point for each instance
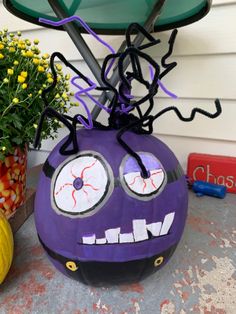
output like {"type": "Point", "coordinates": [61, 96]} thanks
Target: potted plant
{"type": "Point", "coordinates": [24, 73]}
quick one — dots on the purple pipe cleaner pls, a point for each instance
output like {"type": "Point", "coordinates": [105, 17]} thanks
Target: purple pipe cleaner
{"type": "Point", "coordinates": [80, 119]}
{"type": "Point", "coordinates": [85, 26]}
{"type": "Point", "coordinates": [86, 90]}
{"type": "Point", "coordinates": [162, 86]}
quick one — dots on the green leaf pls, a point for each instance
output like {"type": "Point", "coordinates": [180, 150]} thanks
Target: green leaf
{"type": "Point", "coordinates": [17, 140]}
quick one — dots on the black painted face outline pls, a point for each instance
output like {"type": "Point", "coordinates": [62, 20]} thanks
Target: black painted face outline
{"type": "Point", "coordinates": [141, 197]}
{"type": "Point", "coordinates": [108, 189]}
{"type": "Point", "coordinates": [77, 269]}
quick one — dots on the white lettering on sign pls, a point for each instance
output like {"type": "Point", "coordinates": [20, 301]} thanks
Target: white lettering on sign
{"type": "Point", "coordinates": [228, 181]}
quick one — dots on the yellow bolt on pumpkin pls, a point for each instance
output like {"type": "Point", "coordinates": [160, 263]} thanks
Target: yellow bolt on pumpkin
{"type": "Point", "coordinates": [6, 247]}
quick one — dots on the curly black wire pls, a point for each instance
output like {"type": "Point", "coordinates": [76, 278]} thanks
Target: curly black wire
{"type": "Point", "coordinates": [50, 112]}
{"type": "Point", "coordinates": [54, 74]}
{"type": "Point", "coordinates": [193, 112]}
{"type": "Point", "coordinates": [118, 120]}
{"type": "Point", "coordinates": [144, 172]}
{"type": "Point", "coordinates": [172, 65]}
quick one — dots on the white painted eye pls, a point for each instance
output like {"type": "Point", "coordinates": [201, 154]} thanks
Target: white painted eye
{"type": "Point", "coordinates": [81, 185]}
{"type": "Point", "coordinates": [133, 182]}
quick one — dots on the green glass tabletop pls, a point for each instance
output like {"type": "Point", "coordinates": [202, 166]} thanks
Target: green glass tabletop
{"type": "Point", "coordinates": [113, 16]}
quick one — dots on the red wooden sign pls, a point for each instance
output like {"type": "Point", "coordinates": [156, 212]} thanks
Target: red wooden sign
{"type": "Point", "coordinates": [214, 169]}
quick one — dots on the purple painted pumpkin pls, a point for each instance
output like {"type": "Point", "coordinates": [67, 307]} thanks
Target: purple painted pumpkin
{"type": "Point", "coordinates": [99, 221]}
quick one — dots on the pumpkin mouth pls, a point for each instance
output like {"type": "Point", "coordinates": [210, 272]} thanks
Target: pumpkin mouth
{"type": "Point", "coordinates": [141, 232]}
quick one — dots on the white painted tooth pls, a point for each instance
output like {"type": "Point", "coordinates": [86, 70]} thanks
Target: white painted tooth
{"type": "Point", "coordinates": [140, 231]}
{"type": "Point", "coordinates": [89, 239]}
{"type": "Point", "coordinates": [101, 241]}
{"type": "Point", "coordinates": [112, 235]}
{"type": "Point", "coordinates": [168, 220]}
{"type": "Point", "coordinates": [126, 238]}
{"type": "Point", "coordinates": [154, 228]}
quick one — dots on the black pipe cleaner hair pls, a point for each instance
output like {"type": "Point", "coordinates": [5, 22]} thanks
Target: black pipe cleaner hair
{"type": "Point", "coordinates": [69, 122]}
{"type": "Point", "coordinates": [123, 103]}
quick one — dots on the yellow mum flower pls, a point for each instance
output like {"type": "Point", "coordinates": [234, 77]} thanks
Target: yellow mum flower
{"type": "Point", "coordinates": [12, 49]}
{"type": "Point", "coordinates": [21, 79]}
{"type": "Point", "coordinates": [40, 92]}
{"type": "Point", "coordinates": [40, 68]}
{"type": "Point", "coordinates": [10, 72]}
{"type": "Point", "coordinates": [1, 46]}
{"type": "Point", "coordinates": [50, 80]}
{"type": "Point", "coordinates": [21, 46]}
{"type": "Point", "coordinates": [59, 67]}
{"type": "Point", "coordinates": [29, 54]}
{"type": "Point", "coordinates": [19, 34]}
{"type": "Point", "coordinates": [57, 96]}
{"type": "Point", "coordinates": [64, 96]}
{"type": "Point", "coordinates": [1, 56]}
{"type": "Point", "coordinates": [36, 41]}
{"type": "Point", "coordinates": [49, 75]}
{"type": "Point", "coordinates": [28, 42]}
{"type": "Point", "coordinates": [24, 86]}
{"type": "Point", "coordinates": [24, 74]}
{"type": "Point", "coordinates": [67, 77]}
{"type": "Point", "coordinates": [36, 61]}
{"type": "Point", "coordinates": [15, 100]}
{"type": "Point", "coordinates": [45, 56]}
{"type": "Point", "coordinates": [5, 80]}
{"type": "Point", "coordinates": [35, 125]}
{"type": "Point", "coordinates": [11, 35]}
{"type": "Point", "coordinates": [37, 51]}
{"type": "Point", "coordinates": [16, 62]}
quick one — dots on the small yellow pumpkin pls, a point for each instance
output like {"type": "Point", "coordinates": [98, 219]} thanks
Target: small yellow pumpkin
{"type": "Point", "coordinates": [6, 247]}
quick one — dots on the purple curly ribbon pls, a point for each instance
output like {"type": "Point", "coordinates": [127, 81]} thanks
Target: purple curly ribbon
{"type": "Point", "coordinates": [85, 91]}
{"type": "Point", "coordinates": [162, 85]}
{"type": "Point", "coordinates": [85, 26]}
{"type": "Point", "coordinates": [93, 85]}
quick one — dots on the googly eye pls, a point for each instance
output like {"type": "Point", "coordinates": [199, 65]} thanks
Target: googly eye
{"type": "Point", "coordinates": [133, 182]}
{"type": "Point", "coordinates": [81, 185]}
{"type": "Point", "coordinates": [158, 261]}
{"type": "Point", "coordinates": [71, 266]}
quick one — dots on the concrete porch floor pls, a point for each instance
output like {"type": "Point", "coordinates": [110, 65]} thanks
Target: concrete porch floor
{"type": "Point", "coordinates": [200, 277]}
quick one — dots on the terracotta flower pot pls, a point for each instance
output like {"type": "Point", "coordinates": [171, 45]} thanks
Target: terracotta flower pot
{"type": "Point", "coordinates": [13, 181]}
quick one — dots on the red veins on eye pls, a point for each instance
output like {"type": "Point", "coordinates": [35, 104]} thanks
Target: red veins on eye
{"type": "Point", "coordinates": [85, 185]}
{"type": "Point", "coordinates": [86, 193]}
{"type": "Point", "coordinates": [132, 183]}
{"type": "Point", "coordinates": [91, 186]}
{"type": "Point", "coordinates": [146, 180]}
{"type": "Point", "coordinates": [153, 184]}
{"type": "Point", "coordinates": [88, 167]}
{"type": "Point", "coordinates": [73, 196]}
{"type": "Point", "coordinates": [73, 175]}
{"type": "Point", "coordinates": [62, 187]}
{"type": "Point", "coordinates": [159, 171]}
{"type": "Point", "coordinates": [144, 184]}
